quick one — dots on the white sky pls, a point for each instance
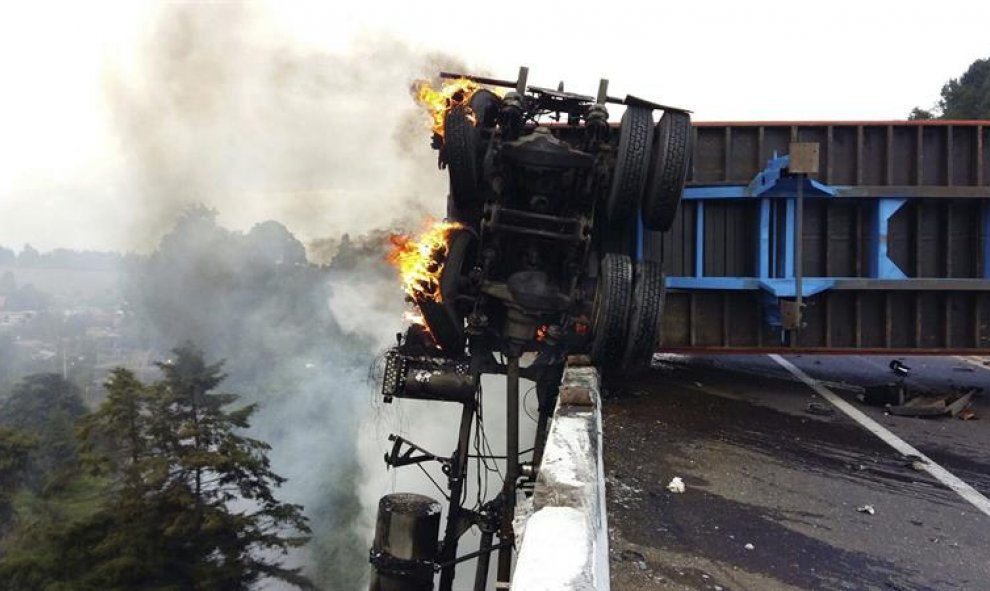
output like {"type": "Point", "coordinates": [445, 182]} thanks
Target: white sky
{"type": "Point", "coordinates": [63, 173]}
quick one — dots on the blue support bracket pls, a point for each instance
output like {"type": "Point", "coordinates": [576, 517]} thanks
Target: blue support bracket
{"type": "Point", "coordinates": [785, 288]}
{"type": "Point", "coordinates": [787, 256]}
{"type": "Point", "coordinates": [881, 266]}
{"type": "Point", "coordinates": [767, 178]}
{"type": "Point", "coordinates": [766, 243]}
{"type": "Point", "coordinates": [772, 181]}
{"type": "Point", "coordinates": [775, 263]}
{"type": "Point", "coordinates": [781, 288]}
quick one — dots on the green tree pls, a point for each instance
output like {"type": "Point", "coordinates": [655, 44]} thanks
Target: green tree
{"type": "Point", "coordinates": [966, 97]}
{"type": "Point", "coordinates": [46, 407]}
{"type": "Point", "coordinates": [122, 545]}
{"type": "Point", "coordinates": [15, 449]}
{"type": "Point", "coordinates": [191, 502]}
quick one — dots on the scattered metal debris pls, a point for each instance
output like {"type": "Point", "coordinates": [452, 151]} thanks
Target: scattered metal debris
{"type": "Point", "coordinates": [900, 401]}
{"type": "Point", "coordinates": [892, 394]}
{"type": "Point", "coordinates": [676, 485]}
{"type": "Point", "coordinates": [867, 509]}
{"type": "Point", "coordinates": [951, 404]}
{"type": "Point", "coordinates": [817, 408]}
{"type": "Point", "coordinates": [842, 385]}
{"type": "Point", "coordinates": [914, 462]}
{"type": "Point", "coordinates": [632, 556]}
{"type": "Point", "coordinates": [899, 368]}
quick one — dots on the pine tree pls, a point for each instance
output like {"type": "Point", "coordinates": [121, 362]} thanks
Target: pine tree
{"type": "Point", "coordinates": [965, 97]}
{"type": "Point", "coordinates": [220, 514]}
{"type": "Point", "coordinates": [190, 500]}
{"type": "Point", "coordinates": [15, 449]}
{"type": "Point", "coordinates": [121, 545]}
{"type": "Point", "coordinates": [45, 406]}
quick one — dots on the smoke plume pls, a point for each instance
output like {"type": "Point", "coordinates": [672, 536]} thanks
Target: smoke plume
{"type": "Point", "coordinates": [222, 110]}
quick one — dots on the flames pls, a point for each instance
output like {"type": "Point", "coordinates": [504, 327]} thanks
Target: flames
{"type": "Point", "coordinates": [420, 260]}
{"type": "Point", "coordinates": [439, 101]}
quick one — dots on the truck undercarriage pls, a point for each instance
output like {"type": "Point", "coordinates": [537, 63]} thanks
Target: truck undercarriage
{"type": "Point", "coordinates": [539, 259]}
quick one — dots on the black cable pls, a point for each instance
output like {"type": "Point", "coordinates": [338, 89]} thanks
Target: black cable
{"type": "Point", "coordinates": [439, 488]}
{"type": "Point", "coordinates": [526, 396]}
{"type": "Point", "coordinates": [488, 448]}
{"type": "Point", "coordinates": [525, 451]}
{"type": "Point", "coordinates": [477, 451]}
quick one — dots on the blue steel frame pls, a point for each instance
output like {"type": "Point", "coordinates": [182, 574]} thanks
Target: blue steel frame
{"type": "Point", "coordinates": [776, 191]}
{"type": "Point", "coordinates": [773, 184]}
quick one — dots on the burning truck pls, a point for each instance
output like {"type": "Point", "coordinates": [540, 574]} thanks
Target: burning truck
{"type": "Point", "coordinates": [539, 257]}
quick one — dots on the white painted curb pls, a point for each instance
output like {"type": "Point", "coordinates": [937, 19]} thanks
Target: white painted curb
{"type": "Point", "coordinates": [565, 541]}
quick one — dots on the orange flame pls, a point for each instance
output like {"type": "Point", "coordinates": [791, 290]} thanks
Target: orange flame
{"type": "Point", "coordinates": [414, 318]}
{"type": "Point", "coordinates": [439, 102]}
{"type": "Point", "coordinates": [420, 260]}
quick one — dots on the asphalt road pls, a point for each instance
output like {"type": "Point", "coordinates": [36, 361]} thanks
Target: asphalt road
{"type": "Point", "coordinates": [773, 492]}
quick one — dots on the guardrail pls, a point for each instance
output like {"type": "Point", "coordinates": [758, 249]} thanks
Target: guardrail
{"type": "Point", "coordinates": [565, 540]}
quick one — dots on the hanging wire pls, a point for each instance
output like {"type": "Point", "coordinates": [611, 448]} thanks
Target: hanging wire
{"type": "Point", "coordinates": [525, 398]}
{"type": "Point", "coordinates": [435, 483]}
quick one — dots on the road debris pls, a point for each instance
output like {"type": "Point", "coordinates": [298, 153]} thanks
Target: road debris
{"type": "Point", "coordinates": [900, 401]}
{"type": "Point", "coordinates": [676, 485]}
{"type": "Point", "coordinates": [914, 462]}
{"type": "Point", "coordinates": [951, 403]}
{"type": "Point", "coordinates": [966, 414]}
{"type": "Point", "coordinates": [891, 394]}
{"type": "Point", "coordinates": [635, 557]}
{"type": "Point", "coordinates": [817, 408]}
{"type": "Point", "coordinates": [899, 368]}
{"type": "Point", "coordinates": [867, 509]}
{"type": "Point", "coordinates": [749, 546]}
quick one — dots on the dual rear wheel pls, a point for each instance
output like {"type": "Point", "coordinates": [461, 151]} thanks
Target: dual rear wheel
{"type": "Point", "coordinates": [627, 313]}
{"type": "Point", "coordinates": [650, 168]}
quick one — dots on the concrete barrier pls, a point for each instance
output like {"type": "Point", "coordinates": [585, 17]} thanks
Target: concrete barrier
{"type": "Point", "coordinates": [565, 540]}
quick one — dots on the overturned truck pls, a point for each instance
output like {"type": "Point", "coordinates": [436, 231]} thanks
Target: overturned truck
{"type": "Point", "coordinates": [540, 256]}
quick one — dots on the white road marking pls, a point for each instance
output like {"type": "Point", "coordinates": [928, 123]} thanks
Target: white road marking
{"type": "Point", "coordinates": [947, 478]}
{"type": "Point", "coordinates": [973, 360]}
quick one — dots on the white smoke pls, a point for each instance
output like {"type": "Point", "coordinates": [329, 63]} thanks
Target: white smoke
{"type": "Point", "coordinates": [220, 108]}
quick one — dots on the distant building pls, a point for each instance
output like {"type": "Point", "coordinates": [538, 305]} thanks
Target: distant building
{"type": "Point", "coordinates": [10, 320]}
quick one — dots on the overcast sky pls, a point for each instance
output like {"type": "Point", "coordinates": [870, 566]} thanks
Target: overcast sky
{"type": "Point", "coordinates": [77, 96]}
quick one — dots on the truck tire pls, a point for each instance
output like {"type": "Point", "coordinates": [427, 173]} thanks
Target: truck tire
{"type": "Point", "coordinates": [646, 315]}
{"type": "Point", "coordinates": [610, 311]}
{"type": "Point", "coordinates": [671, 154]}
{"type": "Point", "coordinates": [486, 105]}
{"type": "Point", "coordinates": [460, 141]}
{"type": "Point", "coordinates": [445, 318]}
{"type": "Point", "coordinates": [632, 164]}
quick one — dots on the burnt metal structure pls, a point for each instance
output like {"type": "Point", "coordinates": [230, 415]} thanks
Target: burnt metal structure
{"type": "Point", "coordinates": [891, 252]}
{"type": "Point", "coordinates": [547, 198]}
